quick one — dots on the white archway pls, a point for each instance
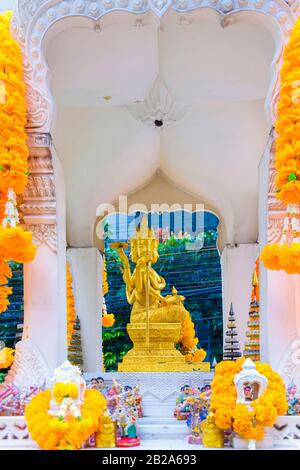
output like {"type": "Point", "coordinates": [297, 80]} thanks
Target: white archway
{"type": "Point", "coordinates": [32, 24]}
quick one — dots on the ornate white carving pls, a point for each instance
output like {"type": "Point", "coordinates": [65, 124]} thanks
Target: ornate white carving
{"type": "Point", "coordinates": [29, 367]}
{"type": "Point", "coordinates": [158, 106]}
{"type": "Point", "coordinates": [286, 431]}
{"type": "Point", "coordinates": [14, 433]}
{"type": "Point", "coordinates": [39, 198]}
{"type": "Point", "coordinates": [160, 385]}
{"type": "Point", "coordinates": [32, 20]}
{"type": "Point", "coordinates": [44, 233]}
{"type": "Point", "coordinates": [276, 209]}
{"type": "Point", "coordinates": [289, 367]}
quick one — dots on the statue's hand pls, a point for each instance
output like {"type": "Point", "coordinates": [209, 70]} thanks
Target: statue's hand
{"type": "Point", "coordinates": [174, 299]}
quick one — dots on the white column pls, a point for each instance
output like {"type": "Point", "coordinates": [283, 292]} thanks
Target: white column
{"type": "Point", "coordinates": [44, 306]}
{"type": "Point", "coordinates": [238, 263]}
{"type": "Point", "coordinates": [44, 344]}
{"type": "Point", "coordinates": [86, 268]}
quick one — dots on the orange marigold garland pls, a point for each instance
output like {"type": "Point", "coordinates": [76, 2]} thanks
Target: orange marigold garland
{"type": "Point", "coordinates": [53, 434]}
{"type": "Point", "coordinates": [5, 290]}
{"type": "Point", "coordinates": [285, 255]}
{"type": "Point", "coordinates": [248, 423]}
{"type": "Point", "coordinates": [71, 313]}
{"type": "Point", "coordinates": [188, 341]}
{"type": "Point", "coordinates": [108, 319]}
{"type": "Point", "coordinates": [15, 242]}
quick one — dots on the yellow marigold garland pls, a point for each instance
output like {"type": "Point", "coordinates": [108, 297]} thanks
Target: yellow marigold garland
{"type": "Point", "coordinates": [15, 242]}
{"type": "Point", "coordinates": [53, 434]}
{"type": "Point", "coordinates": [6, 357]}
{"type": "Point", "coordinates": [71, 313]}
{"type": "Point", "coordinates": [188, 341]}
{"type": "Point", "coordinates": [249, 424]}
{"type": "Point", "coordinates": [13, 149]}
{"type": "Point", "coordinates": [108, 319]}
{"type": "Point", "coordinates": [62, 390]}
{"type": "Point", "coordinates": [5, 291]}
{"type": "Point", "coordinates": [286, 254]}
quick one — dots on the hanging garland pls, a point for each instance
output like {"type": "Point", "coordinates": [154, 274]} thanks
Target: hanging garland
{"type": "Point", "coordinates": [248, 422]}
{"type": "Point", "coordinates": [15, 242]}
{"type": "Point", "coordinates": [108, 319]}
{"type": "Point", "coordinates": [7, 356]}
{"type": "Point", "coordinates": [286, 254]}
{"type": "Point", "coordinates": [71, 313]}
{"type": "Point", "coordinates": [188, 341]}
{"type": "Point", "coordinates": [52, 433]}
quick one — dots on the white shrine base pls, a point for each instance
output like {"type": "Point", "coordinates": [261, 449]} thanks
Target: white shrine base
{"type": "Point", "coordinates": [159, 390]}
{"type": "Point", "coordinates": [158, 429]}
{"type": "Point", "coordinates": [157, 434]}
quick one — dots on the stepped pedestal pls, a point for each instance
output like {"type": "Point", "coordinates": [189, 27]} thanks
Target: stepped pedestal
{"type": "Point", "coordinates": [161, 355]}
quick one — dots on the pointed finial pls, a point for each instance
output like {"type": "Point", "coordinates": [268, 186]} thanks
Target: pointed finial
{"type": "Point", "coordinates": [174, 291]}
{"type": "Point", "coordinates": [254, 279]}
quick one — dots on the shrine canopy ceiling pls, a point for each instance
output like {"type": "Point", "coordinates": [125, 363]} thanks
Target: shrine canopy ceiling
{"type": "Point", "coordinates": [186, 100]}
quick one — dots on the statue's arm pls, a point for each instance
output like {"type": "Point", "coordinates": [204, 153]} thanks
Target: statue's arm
{"type": "Point", "coordinates": [157, 281]}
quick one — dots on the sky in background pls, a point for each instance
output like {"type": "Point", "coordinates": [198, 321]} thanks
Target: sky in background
{"type": "Point", "coordinates": [7, 5]}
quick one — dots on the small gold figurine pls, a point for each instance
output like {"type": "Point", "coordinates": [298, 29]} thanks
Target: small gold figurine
{"type": "Point", "coordinates": [213, 437]}
{"type": "Point", "coordinates": [106, 436]}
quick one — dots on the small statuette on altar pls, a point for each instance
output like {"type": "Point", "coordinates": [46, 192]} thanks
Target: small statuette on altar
{"type": "Point", "coordinates": [182, 409]}
{"type": "Point", "coordinates": [293, 400]}
{"type": "Point", "coordinates": [106, 436]}
{"type": "Point", "coordinates": [213, 437]}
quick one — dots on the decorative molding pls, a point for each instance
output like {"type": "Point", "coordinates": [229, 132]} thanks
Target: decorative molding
{"type": "Point", "coordinates": [159, 105]}
{"type": "Point", "coordinates": [29, 367]}
{"type": "Point", "coordinates": [39, 198]}
{"type": "Point", "coordinates": [37, 139]}
{"type": "Point", "coordinates": [276, 209]}
{"type": "Point", "coordinates": [286, 431]}
{"type": "Point", "coordinates": [44, 233]}
{"type": "Point", "coordinates": [160, 385]}
{"type": "Point", "coordinates": [14, 433]}
{"type": "Point", "coordinates": [32, 20]}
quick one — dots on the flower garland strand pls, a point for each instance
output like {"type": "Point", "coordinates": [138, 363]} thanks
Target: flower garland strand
{"type": "Point", "coordinates": [108, 319]}
{"type": "Point", "coordinates": [188, 341]}
{"type": "Point", "coordinates": [71, 313]}
{"type": "Point", "coordinates": [286, 254]}
{"type": "Point", "coordinates": [50, 432]}
{"type": "Point", "coordinates": [248, 422]}
{"type": "Point", "coordinates": [15, 242]}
